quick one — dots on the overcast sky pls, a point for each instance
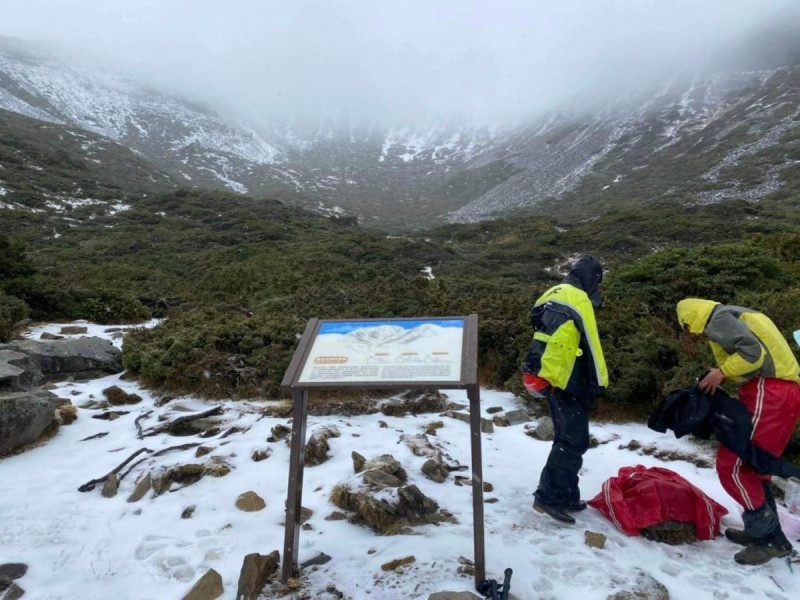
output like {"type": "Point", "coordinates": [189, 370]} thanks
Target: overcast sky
{"type": "Point", "coordinates": [391, 59]}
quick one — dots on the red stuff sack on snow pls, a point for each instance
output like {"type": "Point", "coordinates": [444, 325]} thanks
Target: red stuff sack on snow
{"type": "Point", "coordinates": [640, 497]}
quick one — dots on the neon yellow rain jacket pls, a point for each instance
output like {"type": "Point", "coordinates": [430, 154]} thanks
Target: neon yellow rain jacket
{"type": "Point", "coordinates": [566, 347]}
{"type": "Point", "coordinates": [745, 343]}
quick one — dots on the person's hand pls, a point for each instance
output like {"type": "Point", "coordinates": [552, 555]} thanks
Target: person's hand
{"type": "Point", "coordinates": [535, 385]}
{"type": "Point", "coordinates": [711, 381]}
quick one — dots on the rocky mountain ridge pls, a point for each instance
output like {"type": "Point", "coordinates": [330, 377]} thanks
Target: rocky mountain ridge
{"type": "Point", "coordinates": [406, 177]}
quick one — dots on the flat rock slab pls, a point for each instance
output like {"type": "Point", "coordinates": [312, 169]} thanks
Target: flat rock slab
{"type": "Point", "coordinates": [81, 358]}
{"type": "Point", "coordinates": [486, 425]}
{"type": "Point", "coordinates": [396, 564]}
{"type": "Point", "coordinates": [13, 570]}
{"type": "Point", "coordinates": [318, 560]}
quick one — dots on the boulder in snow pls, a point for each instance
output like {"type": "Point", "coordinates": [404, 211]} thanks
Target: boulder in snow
{"type": "Point", "coordinates": [24, 417]}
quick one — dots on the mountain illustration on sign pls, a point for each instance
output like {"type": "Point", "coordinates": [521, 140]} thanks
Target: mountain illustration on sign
{"type": "Point", "coordinates": [367, 339]}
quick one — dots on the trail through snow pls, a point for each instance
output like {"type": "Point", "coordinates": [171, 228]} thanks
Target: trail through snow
{"type": "Point", "coordinates": [84, 546]}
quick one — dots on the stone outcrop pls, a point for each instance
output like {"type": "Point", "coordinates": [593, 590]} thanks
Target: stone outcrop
{"type": "Point", "coordinates": [389, 517]}
{"type": "Point", "coordinates": [643, 587]}
{"type": "Point", "coordinates": [24, 417]}
{"type": "Point", "coordinates": [57, 360]}
{"type": "Point", "coordinates": [435, 470]}
{"type": "Point", "coordinates": [543, 430]}
{"type": "Point", "coordinates": [26, 410]}
{"type": "Point", "coordinates": [317, 446]}
{"type": "Point", "coordinates": [415, 402]}
{"type": "Point", "coordinates": [208, 587]}
{"type": "Point", "coordinates": [256, 570]}
{"type": "Point", "coordinates": [486, 425]}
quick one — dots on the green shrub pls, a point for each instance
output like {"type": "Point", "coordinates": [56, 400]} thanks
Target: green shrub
{"type": "Point", "coordinates": [12, 310]}
{"type": "Point", "coordinates": [215, 352]}
{"type": "Point", "coordinates": [111, 306]}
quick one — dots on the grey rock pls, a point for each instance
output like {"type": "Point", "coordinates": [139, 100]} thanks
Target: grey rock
{"type": "Point", "coordinates": [13, 570]}
{"type": "Point", "coordinates": [50, 336]}
{"type": "Point", "coordinates": [74, 329]}
{"type": "Point", "coordinates": [643, 587]}
{"type": "Point", "coordinates": [420, 445]}
{"type": "Point", "coordinates": [319, 559]}
{"type": "Point", "coordinates": [433, 427]}
{"type": "Point", "coordinates": [143, 486]}
{"type": "Point", "coordinates": [397, 563]}
{"type": "Point", "coordinates": [188, 512]}
{"type": "Point", "coordinates": [415, 402]}
{"type": "Point", "coordinates": [250, 502]}
{"type": "Point", "coordinates": [110, 486]}
{"type": "Point", "coordinates": [279, 432]}
{"type": "Point", "coordinates": [594, 540]}
{"type": "Point", "coordinates": [256, 570]}
{"type": "Point", "coordinates": [317, 446]}
{"type": "Point", "coordinates": [388, 464]}
{"type": "Point", "coordinates": [543, 430]}
{"type": "Point", "coordinates": [381, 479]}
{"type": "Point", "coordinates": [358, 462]}
{"type": "Point", "coordinates": [516, 417]}
{"type": "Point", "coordinates": [13, 592]}
{"type": "Point", "coordinates": [486, 425]}
{"type": "Point", "coordinates": [17, 371]}
{"type": "Point", "coordinates": [208, 587]}
{"type": "Point", "coordinates": [58, 360]}
{"type": "Point", "coordinates": [24, 417]}
{"type": "Point", "coordinates": [435, 470]}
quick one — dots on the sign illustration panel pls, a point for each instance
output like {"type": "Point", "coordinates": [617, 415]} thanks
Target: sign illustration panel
{"type": "Point", "coordinates": [386, 351]}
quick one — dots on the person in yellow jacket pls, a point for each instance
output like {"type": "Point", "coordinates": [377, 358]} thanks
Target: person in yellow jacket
{"type": "Point", "coordinates": [749, 348]}
{"type": "Point", "coordinates": [565, 365]}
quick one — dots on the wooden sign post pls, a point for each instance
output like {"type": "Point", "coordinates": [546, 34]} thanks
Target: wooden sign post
{"type": "Point", "coordinates": [382, 354]}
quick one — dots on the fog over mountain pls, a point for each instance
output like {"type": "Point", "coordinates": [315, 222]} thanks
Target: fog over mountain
{"type": "Point", "coordinates": [399, 62]}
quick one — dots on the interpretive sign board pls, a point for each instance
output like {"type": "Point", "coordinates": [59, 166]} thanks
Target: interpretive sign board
{"type": "Point", "coordinates": [382, 354]}
{"type": "Point", "coordinates": [385, 351]}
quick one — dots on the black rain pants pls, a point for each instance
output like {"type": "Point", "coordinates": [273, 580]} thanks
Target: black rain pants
{"type": "Point", "coordinates": [558, 485]}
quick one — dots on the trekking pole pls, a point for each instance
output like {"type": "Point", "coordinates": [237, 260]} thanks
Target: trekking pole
{"type": "Point", "coordinates": [491, 591]}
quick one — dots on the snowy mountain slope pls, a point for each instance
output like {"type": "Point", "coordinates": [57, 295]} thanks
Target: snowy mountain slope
{"type": "Point", "coordinates": [169, 131]}
{"type": "Point", "coordinates": [699, 137]}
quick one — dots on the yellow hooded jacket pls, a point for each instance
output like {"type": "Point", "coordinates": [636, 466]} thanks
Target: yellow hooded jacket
{"type": "Point", "coordinates": [566, 338]}
{"type": "Point", "coordinates": [745, 343]}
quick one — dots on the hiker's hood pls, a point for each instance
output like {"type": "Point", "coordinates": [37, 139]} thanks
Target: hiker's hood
{"type": "Point", "coordinates": [587, 273]}
{"type": "Point", "coordinates": [693, 313]}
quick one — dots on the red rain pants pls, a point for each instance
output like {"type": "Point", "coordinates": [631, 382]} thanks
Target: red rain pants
{"type": "Point", "coordinates": [774, 406]}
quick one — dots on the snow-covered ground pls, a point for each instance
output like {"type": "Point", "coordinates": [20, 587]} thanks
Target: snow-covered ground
{"type": "Point", "coordinates": [84, 546]}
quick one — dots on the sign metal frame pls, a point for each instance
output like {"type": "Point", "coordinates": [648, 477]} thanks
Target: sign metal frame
{"type": "Point", "coordinates": [292, 388]}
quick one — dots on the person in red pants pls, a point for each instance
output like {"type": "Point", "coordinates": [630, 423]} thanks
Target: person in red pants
{"type": "Point", "coordinates": [748, 347]}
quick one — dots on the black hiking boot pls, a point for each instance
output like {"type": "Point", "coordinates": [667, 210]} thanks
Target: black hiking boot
{"type": "Point", "coordinates": [574, 507]}
{"type": "Point", "coordinates": [556, 513]}
{"type": "Point", "coordinates": [759, 551]}
{"type": "Point", "coordinates": [758, 554]}
{"type": "Point", "coordinates": [739, 536]}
